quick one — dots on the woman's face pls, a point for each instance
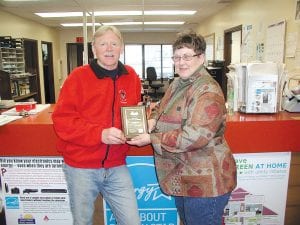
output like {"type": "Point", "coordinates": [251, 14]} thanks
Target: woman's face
{"type": "Point", "coordinates": [107, 49]}
{"type": "Point", "coordinates": [187, 62]}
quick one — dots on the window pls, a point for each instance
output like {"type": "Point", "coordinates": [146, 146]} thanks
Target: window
{"type": "Point", "coordinates": [153, 58]}
{"type": "Point", "coordinates": [134, 57]}
{"type": "Point", "coordinates": [167, 63]}
{"type": "Point", "coordinates": [141, 56]}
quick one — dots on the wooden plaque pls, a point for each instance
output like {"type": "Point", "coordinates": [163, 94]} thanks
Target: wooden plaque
{"type": "Point", "coordinates": [134, 121]}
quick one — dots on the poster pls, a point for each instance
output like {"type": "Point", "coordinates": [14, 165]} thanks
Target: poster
{"type": "Point", "coordinates": [261, 192]}
{"type": "Point", "coordinates": [275, 42]}
{"type": "Point", "coordinates": [33, 191]}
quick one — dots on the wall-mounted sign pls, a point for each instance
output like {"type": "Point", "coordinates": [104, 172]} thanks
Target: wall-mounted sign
{"type": "Point", "coordinates": [79, 39]}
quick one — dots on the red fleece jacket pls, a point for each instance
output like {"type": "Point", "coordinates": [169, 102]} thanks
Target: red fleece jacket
{"type": "Point", "coordinates": [87, 105]}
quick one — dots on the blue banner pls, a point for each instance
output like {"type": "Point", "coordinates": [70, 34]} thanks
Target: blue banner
{"type": "Point", "coordinates": [155, 207]}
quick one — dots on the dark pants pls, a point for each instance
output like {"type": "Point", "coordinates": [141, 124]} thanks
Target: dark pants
{"type": "Point", "coordinates": [201, 211]}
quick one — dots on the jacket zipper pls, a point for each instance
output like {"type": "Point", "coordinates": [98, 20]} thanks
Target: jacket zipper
{"type": "Point", "coordinates": [113, 122]}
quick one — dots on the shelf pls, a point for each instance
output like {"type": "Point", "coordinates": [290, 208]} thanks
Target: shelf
{"type": "Point", "coordinates": [22, 97]}
{"type": "Point", "coordinates": [17, 83]}
{"type": "Point", "coordinates": [22, 76]}
{"type": "Point", "coordinates": [12, 60]}
{"type": "Point", "coordinates": [18, 88]}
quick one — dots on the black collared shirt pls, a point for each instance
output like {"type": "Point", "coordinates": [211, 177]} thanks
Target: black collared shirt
{"type": "Point", "coordinates": [100, 72]}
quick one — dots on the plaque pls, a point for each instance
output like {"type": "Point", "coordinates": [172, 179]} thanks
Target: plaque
{"type": "Point", "coordinates": [134, 121]}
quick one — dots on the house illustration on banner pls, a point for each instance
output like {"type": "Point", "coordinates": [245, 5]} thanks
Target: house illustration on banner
{"type": "Point", "coordinates": [246, 208]}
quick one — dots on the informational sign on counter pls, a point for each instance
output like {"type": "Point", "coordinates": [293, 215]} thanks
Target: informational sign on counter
{"type": "Point", "coordinates": [33, 191]}
{"type": "Point", "coordinates": [261, 192]}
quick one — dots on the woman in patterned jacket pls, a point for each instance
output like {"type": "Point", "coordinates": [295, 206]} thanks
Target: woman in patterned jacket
{"type": "Point", "coordinates": [193, 161]}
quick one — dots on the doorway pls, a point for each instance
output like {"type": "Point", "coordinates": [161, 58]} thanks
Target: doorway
{"type": "Point", "coordinates": [232, 49]}
{"type": "Point", "coordinates": [47, 54]}
{"type": "Point", "coordinates": [32, 64]}
{"type": "Point", "coordinates": [232, 43]}
{"type": "Point", "coordinates": [75, 55]}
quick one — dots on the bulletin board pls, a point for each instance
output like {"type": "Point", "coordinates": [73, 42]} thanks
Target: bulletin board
{"type": "Point", "coordinates": [275, 41]}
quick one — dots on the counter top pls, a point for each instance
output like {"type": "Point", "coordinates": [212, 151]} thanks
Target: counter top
{"type": "Point", "coordinates": [263, 132]}
{"type": "Point", "coordinates": [34, 135]}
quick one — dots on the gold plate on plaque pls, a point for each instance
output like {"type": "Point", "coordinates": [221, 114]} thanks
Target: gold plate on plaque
{"type": "Point", "coordinates": [134, 121]}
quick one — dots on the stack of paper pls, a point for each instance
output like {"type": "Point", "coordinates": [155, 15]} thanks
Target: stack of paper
{"type": "Point", "coordinates": [4, 119]}
{"type": "Point", "coordinates": [39, 108]}
{"type": "Point", "coordinates": [6, 104]}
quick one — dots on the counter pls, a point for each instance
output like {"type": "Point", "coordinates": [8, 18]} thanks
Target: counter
{"type": "Point", "coordinates": [245, 133]}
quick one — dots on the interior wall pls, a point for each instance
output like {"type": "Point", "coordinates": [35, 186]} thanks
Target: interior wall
{"type": "Point", "coordinates": [257, 13]}
{"type": "Point", "coordinates": [17, 27]}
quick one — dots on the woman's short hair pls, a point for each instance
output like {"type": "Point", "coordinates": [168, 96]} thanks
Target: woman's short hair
{"type": "Point", "coordinates": [190, 39]}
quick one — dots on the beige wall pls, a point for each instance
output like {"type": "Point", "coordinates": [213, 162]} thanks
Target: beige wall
{"type": "Point", "coordinates": [17, 27]}
{"type": "Point", "coordinates": [257, 13]}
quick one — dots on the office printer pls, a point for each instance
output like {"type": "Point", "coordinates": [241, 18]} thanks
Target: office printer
{"type": "Point", "coordinates": [291, 93]}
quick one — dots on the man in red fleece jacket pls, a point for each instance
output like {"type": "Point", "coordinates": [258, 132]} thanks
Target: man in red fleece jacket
{"type": "Point", "coordinates": [87, 121]}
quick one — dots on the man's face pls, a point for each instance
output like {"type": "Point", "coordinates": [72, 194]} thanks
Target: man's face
{"type": "Point", "coordinates": [107, 49]}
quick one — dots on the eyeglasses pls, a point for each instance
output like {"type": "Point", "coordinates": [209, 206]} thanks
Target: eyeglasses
{"type": "Point", "coordinates": [184, 57]}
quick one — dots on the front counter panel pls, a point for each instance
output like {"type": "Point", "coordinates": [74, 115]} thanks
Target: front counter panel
{"type": "Point", "coordinates": [270, 138]}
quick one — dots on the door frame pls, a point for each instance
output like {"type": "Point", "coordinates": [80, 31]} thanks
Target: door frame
{"type": "Point", "coordinates": [227, 44]}
{"type": "Point", "coordinates": [32, 62]}
{"type": "Point", "coordinates": [49, 86]}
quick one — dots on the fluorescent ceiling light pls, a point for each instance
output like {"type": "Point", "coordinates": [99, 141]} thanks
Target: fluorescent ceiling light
{"type": "Point", "coordinates": [123, 23]}
{"type": "Point", "coordinates": [21, 0]}
{"type": "Point", "coordinates": [79, 24]}
{"type": "Point", "coordinates": [118, 13]}
{"type": "Point", "coordinates": [60, 14]}
{"type": "Point", "coordinates": [170, 12]}
{"type": "Point", "coordinates": [164, 23]}
{"type": "Point", "coordinates": [98, 13]}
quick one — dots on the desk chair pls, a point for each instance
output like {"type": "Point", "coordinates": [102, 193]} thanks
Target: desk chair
{"type": "Point", "coordinates": [152, 77]}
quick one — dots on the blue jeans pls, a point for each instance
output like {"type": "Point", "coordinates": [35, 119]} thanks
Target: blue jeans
{"type": "Point", "coordinates": [115, 185]}
{"type": "Point", "coordinates": [201, 211]}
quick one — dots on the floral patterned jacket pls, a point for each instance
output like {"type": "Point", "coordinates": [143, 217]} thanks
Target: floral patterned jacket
{"type": "Point", "coordinates": [192, 157]}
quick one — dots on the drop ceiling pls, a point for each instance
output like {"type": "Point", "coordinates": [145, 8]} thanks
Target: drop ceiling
{"type": "Point", "coordinates": [204, 8]}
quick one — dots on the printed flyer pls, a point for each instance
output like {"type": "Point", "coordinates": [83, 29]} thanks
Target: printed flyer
{"type": "Point", "coordinates": [33, 191]}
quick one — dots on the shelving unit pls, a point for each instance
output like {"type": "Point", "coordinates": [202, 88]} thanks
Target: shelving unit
{"type": "Point", "coordinates": [15, 83]}
{"type": "Point", "coordinates": [12, 60]}
{"type": "Point", "coordinates": [19, 88]}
